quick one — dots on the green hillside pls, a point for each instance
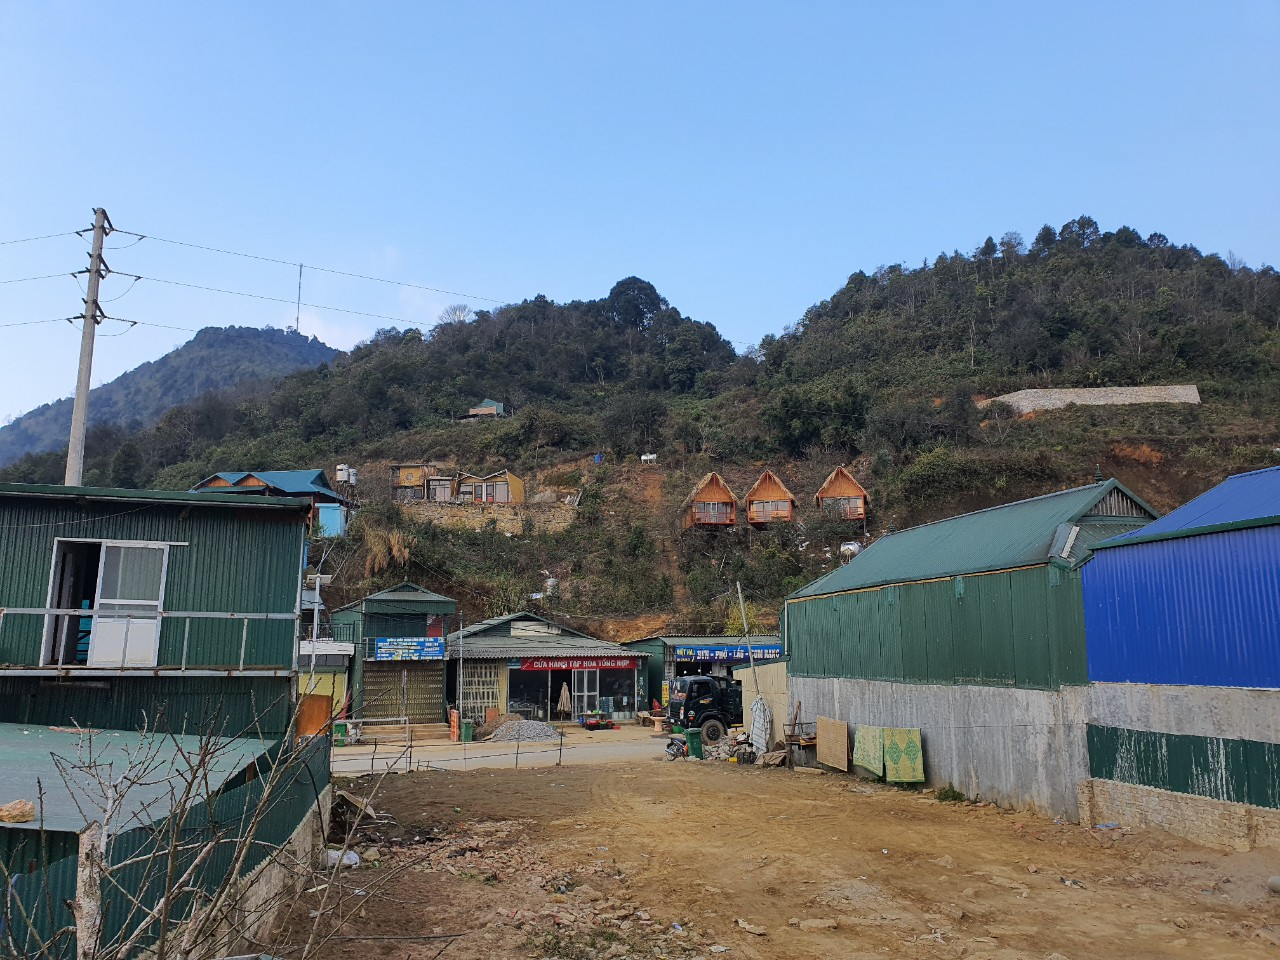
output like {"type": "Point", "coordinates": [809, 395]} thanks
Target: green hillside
{"type": "Point", "coordinates": [214, 359]}
{"type": "Point", "coordinates": [883, 374]}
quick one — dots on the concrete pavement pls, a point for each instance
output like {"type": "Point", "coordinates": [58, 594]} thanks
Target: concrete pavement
{"type": "Point", "coordinates": [630, 744]}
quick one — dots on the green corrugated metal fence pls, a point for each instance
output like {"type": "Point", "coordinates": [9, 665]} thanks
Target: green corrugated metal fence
{"type": "Point", "coordinates": [1016, 628]}
{"type": "Point", "coordinates": [1237, 771]}
{"type": "Point", "coordinates": [224, 820]}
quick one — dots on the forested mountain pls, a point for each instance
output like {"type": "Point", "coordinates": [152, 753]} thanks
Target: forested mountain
{"type": "Point", "coordinates": [215, 359]}
{"type": "Point", "coordinates": [883, 374]}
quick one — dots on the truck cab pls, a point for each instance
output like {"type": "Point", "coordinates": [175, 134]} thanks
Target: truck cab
{"type": "Point", "coordinates": [711, 703]}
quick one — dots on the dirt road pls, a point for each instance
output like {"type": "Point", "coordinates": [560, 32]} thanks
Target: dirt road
{"type": "Point", "coordinates": [589, 862]}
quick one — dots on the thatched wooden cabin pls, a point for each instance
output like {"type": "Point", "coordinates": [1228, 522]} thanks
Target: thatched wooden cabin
{"type": "Point", "coordinates": [842, 496]}
{"type": "Point", "coordinates": [769, 501]}
{"type": "Point", "coordinates": [711, 504]}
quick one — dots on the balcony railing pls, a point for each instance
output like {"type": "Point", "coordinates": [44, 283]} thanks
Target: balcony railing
{"type": "Point", "coordinates": [145, 628]}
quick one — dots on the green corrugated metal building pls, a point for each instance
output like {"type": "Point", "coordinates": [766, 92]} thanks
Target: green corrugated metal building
{"type": "Point", "coordinates": [991, 597]}
{"type": "Point", "coordinates": [390, 689]}
{"type": "Point", "coordinates": [184, 603]}
{"type": "Point", "coordinates": [971, 630]}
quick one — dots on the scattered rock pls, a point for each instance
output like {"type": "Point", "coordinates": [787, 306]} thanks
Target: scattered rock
{"type": "Point", "coordinates": [945, 862]}
{"type": "Point", "coordinates": [18, 811]}
{"type": "Point", "coordinates": [718, 949]}
{"type": "Point", "coordinates": [371, 855]}
{"type": "Point", "coordinates": [588, 893]}
{"type": "Point", "coordinates": [814, 770]}
{"type": "Point", "coordinates": [1273, 885]}
{"type": "Point", "coordinates": [752, 929]}
{"type": "Point", "coordinates": [818, 924]}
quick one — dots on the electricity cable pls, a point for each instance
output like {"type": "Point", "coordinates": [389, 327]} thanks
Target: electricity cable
{"type": "Point", "coordinates": [295, 263]}
{"type": "Point", "coordinates": [47, 276]}
{"type": "Point", "coordinates": [47, 236]}
{"type": "Point", "coordinates": [263, 296]}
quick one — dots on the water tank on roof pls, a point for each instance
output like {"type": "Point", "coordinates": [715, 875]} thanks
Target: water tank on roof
{"type": "Point", "coordinates": [849, 550]}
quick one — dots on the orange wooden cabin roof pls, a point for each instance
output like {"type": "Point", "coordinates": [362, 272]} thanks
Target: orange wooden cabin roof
{"type": "Point", "coordinates": [839, 483]}
{"type": "Point", "coordinates": [710, 489]}
{"type": "Point", "coordinates": [769, 487]}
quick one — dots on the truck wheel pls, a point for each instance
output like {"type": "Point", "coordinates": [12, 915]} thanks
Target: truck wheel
{"type": "Point", "coordinates": [712, 731]}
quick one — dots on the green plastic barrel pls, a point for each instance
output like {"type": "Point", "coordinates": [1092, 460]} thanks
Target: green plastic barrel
{"type": "Point", "coordinates": [468, 731]}
{"type": "Point", "coordinates": [693, 737]}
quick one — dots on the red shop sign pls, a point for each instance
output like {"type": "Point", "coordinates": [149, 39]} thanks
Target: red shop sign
{"type": "Point", "coordinates": [597, 663]}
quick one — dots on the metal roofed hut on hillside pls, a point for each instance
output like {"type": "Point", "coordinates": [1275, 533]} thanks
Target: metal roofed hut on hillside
{"type": "Point", "coordinates": [500, 487]}
{"type": "Point", "coordinates": [1182, 619]}
{"type": "Point", "coordinates": [972, 630]}
{"type": "Point", "coordinates": [769, 501]}
{"type": "Point", "coordinates": [711, 504]}
{"type": "Point", "coordinates": [518, 663]}
{"type": "Point", "coordinates": [330, 510]}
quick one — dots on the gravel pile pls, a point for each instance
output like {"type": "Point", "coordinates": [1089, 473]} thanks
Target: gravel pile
{"type": "Point", "coordinates": [515, 730]}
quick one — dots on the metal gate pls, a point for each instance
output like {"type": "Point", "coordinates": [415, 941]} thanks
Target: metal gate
{"type": "Point", "coordinates": [398, 689]}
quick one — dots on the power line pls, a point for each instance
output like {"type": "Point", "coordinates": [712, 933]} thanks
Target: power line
{"type": "Point", "coordinates": [47, 276]}
{"type": "Point", "coordinates": [263, 296]}
{"type": "Point", "coordinates": [47, 236]}
{"type": "Point", "coordinates": [28, 323]}
{"type": "Point", "coordinates": [295, 263]}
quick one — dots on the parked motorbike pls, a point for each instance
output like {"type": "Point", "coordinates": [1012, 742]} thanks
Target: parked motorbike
{"type": "Point", "coordinates": [677, 747]}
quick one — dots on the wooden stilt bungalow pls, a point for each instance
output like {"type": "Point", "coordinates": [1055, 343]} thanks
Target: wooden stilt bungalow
{"type": "Point", "coordinates": [769, 501]}
{"type": "Point", "coordinates": [711, 504]}
{"type": "Point", "coordinates": [842, 496]}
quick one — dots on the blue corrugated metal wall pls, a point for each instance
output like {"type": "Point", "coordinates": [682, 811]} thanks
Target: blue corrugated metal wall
{"type": "Point", "coordinates": [1199, 610]}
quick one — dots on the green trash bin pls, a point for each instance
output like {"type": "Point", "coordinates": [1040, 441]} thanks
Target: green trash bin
{"type": "Point", "coordinates": [339, 733]}
{"type": "Point", "coordinates": [693, 736]}
{"type": "Point", "coordinates": [468, 731]}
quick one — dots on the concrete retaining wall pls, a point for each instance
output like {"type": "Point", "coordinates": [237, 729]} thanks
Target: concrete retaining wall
{"type": "Point", "coordinates": [509, 518]}
{"type": "Point", "coordinates": [1027, 401]}
{"type": "Point", "coordinates": [264, 892]}
{"type": "Point", "coordinates": [1233, 713]}
{"type": "Point", "coordinates": [1020, 748]}
{"type": "Point", "coordinates": [1215, 823]}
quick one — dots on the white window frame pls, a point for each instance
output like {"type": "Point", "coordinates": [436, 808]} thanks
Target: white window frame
{"type": "Point", "coordinates": [50, 619]}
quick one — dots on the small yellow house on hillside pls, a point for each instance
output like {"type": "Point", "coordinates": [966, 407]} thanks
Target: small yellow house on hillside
{"type": "Point", "coordinates": [501, 487]}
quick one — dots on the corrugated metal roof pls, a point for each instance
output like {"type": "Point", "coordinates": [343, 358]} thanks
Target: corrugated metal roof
{"type": "Point", "coordinates": [303, 483]}
{"type": "Point", "coordinates": [413, 598]}
{"type": "Point", "coordinates": [148, 496]}
{"type": "Point", "coordinates": [999, 538]}
{"type": "Point", "coordinates": [1245, 500]}
{"type": "Point", "coordinates": [493, 638]}
{"type": "Point", "coordinates": [725, 640]}
{"type": "Point", "coordinates": [69, 794]}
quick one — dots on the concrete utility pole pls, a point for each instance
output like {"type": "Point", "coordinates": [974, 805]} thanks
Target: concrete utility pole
{"type": "Point", "coordinates": [92, 317]}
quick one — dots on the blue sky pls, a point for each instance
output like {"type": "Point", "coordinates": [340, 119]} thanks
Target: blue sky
{"type": "Point", "coordinates": [745, 158]}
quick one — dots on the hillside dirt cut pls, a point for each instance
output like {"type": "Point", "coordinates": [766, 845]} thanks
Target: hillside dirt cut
{"type": "Point", "coordinates": [701, 860]}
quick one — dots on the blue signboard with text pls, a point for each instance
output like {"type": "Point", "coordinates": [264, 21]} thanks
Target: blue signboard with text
{"type": "Point", "coordinates": [408, 648]}
{"type": "Point", "coordinates": [725, 653]}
